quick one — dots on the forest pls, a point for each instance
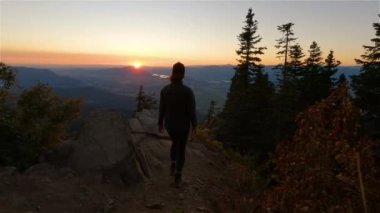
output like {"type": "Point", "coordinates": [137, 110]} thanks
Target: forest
{"type": "Point", "coordinates": [313, 140]}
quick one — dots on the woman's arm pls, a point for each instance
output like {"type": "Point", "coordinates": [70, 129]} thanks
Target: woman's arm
{"type": "Point", "coordinates": [193, 112]}
{"type": "Point", "coordinates": [161, 113]}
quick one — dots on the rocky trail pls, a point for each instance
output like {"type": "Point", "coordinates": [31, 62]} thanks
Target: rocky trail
{"type": "Point", "coordinates": [117, 165]}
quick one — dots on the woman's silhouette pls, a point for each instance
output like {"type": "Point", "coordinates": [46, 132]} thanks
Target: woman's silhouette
{"type": "Point", "coordinates": [177, 114]}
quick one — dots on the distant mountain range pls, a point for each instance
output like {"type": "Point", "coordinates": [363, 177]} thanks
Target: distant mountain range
{"type": "Point", "coordinates": [73, 87]}
{"type": "Point", "coordinates": [117, 87]}
{"type": "Point", "coordinates": [27, 77]}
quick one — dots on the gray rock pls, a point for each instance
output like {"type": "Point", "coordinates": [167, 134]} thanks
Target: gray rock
{"type": "Point", "coordinates": [105, 144]}
{"type": "Point", "coordinates": [136, 126]}
{"type": "Point", "coordinates": [148, 120]}
{"type": "Point", "coordinates": [110, 145]}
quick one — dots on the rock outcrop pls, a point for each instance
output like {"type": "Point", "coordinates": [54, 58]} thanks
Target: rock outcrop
{"type": "Point", "coordinates": [153, 145]}
{"type": "Point", "coordinates": [111, 144]}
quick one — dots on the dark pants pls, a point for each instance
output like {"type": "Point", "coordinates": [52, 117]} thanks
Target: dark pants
{"type": "Point", "coordinates": [178, 149]}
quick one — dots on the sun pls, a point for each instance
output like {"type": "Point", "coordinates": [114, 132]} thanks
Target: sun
{"type": "Point", "coordinates": [137, 65]}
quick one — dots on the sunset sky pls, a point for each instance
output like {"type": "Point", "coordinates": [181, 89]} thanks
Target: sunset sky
{"type": "Point", "coordinates": [159, 33]}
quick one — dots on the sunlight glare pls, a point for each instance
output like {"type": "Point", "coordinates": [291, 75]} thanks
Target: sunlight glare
{"type": "Point", "coordinates": [137, 65]}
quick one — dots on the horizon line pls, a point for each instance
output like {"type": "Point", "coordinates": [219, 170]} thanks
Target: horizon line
{"type": "Point", "coordinates": [142, 66]}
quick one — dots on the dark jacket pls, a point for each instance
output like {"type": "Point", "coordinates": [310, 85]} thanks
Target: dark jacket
{"type": "Point", "coordinates": [177, 107]}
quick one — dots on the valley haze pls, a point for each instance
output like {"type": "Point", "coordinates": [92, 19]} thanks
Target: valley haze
{"type": "Point", "coordinates": [116, 87]}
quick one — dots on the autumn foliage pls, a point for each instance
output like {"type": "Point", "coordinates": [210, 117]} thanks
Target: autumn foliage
{"type": "Point", "coordinates": [327, 166]}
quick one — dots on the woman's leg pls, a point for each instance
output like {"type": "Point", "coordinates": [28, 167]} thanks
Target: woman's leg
{"type": "Point", "coordinates": [181, 150]}
{"type": "Point", "coordinates": [177, 153]}
{"type": "Point", "coordinates": [173, 152]}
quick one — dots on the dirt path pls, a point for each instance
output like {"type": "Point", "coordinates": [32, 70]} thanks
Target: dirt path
{"type": "Point", "coordinates": [49, 189]}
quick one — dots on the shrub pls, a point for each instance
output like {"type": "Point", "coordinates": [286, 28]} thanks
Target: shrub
{"type": "Point", "coordinates": [327, 166]}
{"type": "Point", "coordinates": [33, 124]}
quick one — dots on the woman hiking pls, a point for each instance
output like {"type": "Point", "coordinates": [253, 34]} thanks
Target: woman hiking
{"type": "Point", "coordinates": [177, 115]}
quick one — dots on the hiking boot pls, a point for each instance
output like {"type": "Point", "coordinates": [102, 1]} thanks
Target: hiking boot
{"type": "Point", "coordinates": [172, 169]}
{"type": "Point", "coordinates": [178, 180]}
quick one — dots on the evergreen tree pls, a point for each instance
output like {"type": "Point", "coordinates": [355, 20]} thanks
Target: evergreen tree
{"type": "Point", "coordinates": [296, 64]}
{"type": "Point", "coordinates": [317, 79]}
{"type": "Point", "coordinates": [330, 68]}
{"type": "Point", "coordinates": [261, 118]}
{"type": "Point", "coordinates": [211, 113]}
{"type": "Point", "coordinates": [310, 84]}
{"type": "Point", "coordinates": [289, 93]}
{"type": "Point", "coordinates": [367, 84]}
{"type": "Point", "coordinates": [140, 99]}
{"type": "Point", "coordinates": [235, 129]}
{"type": "Point", "coordinates": [144, 101]}
{"type": "Point", "coordinates": [284, 43]}
{"type": "Point", "coordinates": [341, 80]}
{"type": "Point", "coordinates": [315, 55]}
{"type": "Point", "coordinates": [331, 64]}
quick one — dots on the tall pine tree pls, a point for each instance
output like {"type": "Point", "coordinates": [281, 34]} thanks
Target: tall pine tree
{"type": "Point", "coordinates": [331, 63]}
{"type": "Point", "coordinates": [144, 101]}
{"type": "Point", "coordinates": [341, 80]}
{"type": "Point", "coordinates": [367, 84]}
{"type": "Point", "coordinates": [317, 78]}
{"type": "Point", "coordinates": [315, 56]}
{"type": "Point", "coordinates": [284, 43]}
{"type": "Point", "coordinates": [288, 92]}
{"type": "Point", "coordinates": [330, 68]}
{"type": "Point", "coordinates": [311, 77]}
{"type": "Point", "coordinates": [261, 117]}
{"type": "Point", "coordinates": [210, 116]}
{"type": "Point", "coordinates": [296, 63]}
{"type": "Point", "coordinates": [238, 118]}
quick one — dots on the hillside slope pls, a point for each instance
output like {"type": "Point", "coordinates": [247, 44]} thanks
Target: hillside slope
{"type": "Point", "coordinates": [65, 184]}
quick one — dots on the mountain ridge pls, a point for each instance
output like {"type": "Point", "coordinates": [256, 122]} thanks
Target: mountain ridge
{"type": "Point", "coordinates": [209, 82]}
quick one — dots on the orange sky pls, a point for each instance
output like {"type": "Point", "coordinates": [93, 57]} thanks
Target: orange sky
{"type": "Point", "coordinates": [46, 57]}
{"type": "Point", "coordinates": [162, 33]}
{"type": "Point", "coordinates": [32, 57]}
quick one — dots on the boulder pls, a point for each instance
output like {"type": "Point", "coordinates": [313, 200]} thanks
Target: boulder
{"type": "Point", "coordinates": [111, 144]}
{"type": "Point", "coordinates": [153, 145]}
{"type": "Point", "coordinates": [145, 122]}
{"type": "Point", "coordinates": [106, 144]}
